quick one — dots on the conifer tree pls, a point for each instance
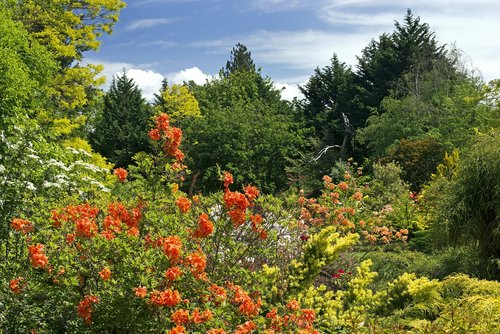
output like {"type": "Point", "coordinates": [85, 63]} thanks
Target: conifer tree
{"type": "Point", "coordinates": [121, 130]}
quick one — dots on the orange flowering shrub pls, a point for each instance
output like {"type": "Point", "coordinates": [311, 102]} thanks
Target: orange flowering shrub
{"type": "Point", "coordinates": [140, 266]}
{"type": "Point", "coordinates": [342, 205]}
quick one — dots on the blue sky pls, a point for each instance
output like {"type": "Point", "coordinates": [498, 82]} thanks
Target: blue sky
{"type": "Point", "coordinates": [192, 39]}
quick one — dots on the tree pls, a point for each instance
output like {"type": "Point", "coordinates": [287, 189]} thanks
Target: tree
{"type": "Point", "coordinates": [177, 101]}
{"type": "Point", "coordinates": [411, 48]}
{"type": "Point", "coordinates": [120, 131]}
{"type": "Point", "coordinates": [330, 107]}
{"type": "Point", "coordinates": [240, 60]}
{"type": "Point", "coordinates": [245, 128]}
{"type": "Point", "coordinates": [68, 29]}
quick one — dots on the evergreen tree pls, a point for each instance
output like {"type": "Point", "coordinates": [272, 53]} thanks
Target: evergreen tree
{"type": "Point", "coordinates": [410, 50]}
{"type": "Point", "coordinates": [121, 130]}
{"type": "Point", "coordinates": [240, 60]}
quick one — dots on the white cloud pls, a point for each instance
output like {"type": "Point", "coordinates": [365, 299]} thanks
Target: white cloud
{"type": "Point", "coordinates": [146, 78]}
{"type": "Point", "coordinates": [193, 73]}
{"type": "Point", "coordinates": [351, 24]}
{"type": "Point", "coordinates": [148, 81]}
{"type": "Point", "coordinates": [289, 91]}
{"type": "Point", "coordinates": [298, 50]}
{"type": "Point", "coordinates": [148, 23]}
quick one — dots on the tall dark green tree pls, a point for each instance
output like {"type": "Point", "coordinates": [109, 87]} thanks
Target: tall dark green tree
{"type": "Point", "coordinates": [240, 60]}
{"type": "Point", "coordinates": [121, 130]}
{"type": "Point", "coordinates": [330, 94]}
{"type": "Point", "coordinates": [411, 49]}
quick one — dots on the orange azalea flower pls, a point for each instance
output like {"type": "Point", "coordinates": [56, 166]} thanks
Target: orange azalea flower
{"type": "Point", "coordinates": [133, 231]}
{"type": "Point", "coordinates": [173, 273]}
{"type": "Point", "coordinates": [184, 204]}
{"type": "Point", "coordinates": [252, 192]}
{"type": "Point", "coordinates": [105, 274]}
{"type": "Point", "coordinates": [198, 261]}
{"type": "Point", "coordinates": [162, 122]}
{"type": "Point", "coordinates": [154, 134]}
{"type": "Point", "coordinates": [121, 174]}
{"type": "Point", "coordinates": [218, 292]}
{"type": "Point", "coordinates": [343, 186]}
{"type": "Point", "coordinates": [199, 318]}
{"type": "Point", "coordinates": [247, 305]}
{"type": "Point", "coordinates": [86, 228]}
{"type": "Point", "coordinates": [180, 317]}
{"type": "Point", "coordinates": [293, 305]}
{"type": "Point", "coordinates": [205, 227]}
{"type": "Point", "coordinates": [15, 286]}
{"type": "Point", "coordinates": [308, 315]}
{"type": "Point", "coordinates": [165, 298]}
{"type": "Point", "coordinates": [246, 328]}
{"type": "Point", "coordinates": [237, 217]}
{"type": "Point", "coordinates": [172, 247]}
{"type": "Point", "coordinates": [228, 179]}
{"type": "Point", "coordinates": [235, 199]}
{"type": "Point", "coordinates": [357, 196]}
{"type": "Point", "coordinates": [216, 331]}
{"type": "Point", "coordinates": [85, 308]}
{"type": "Point", "coordinates": [177, 330]}
{"type": "Point", "coordinates": [38, 258]}
{"type": "Point", "coordinates": [140, 291]}
{"type": "Point", "coordinates": [22, 225]}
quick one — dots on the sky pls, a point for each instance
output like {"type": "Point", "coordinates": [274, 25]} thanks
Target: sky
{"type": "Point", "coordinates": [186, 40]}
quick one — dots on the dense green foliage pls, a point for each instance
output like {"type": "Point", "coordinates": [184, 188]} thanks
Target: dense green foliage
{"type": "Point", "coordinates": [246, 128]}
{"type": "Point", "coordinates": [120, 130]}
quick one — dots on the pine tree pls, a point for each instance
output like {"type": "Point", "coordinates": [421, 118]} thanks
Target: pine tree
{"type": "Point", "coordinates": [410, 50]}
{"type": "Point", "coordinates": [240, 60]}
{"type": "Point", "coordinates": [121, 130]}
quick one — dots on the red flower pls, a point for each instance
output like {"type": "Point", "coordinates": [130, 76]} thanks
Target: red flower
{"type": "Point", "coordinates": [121, 174]}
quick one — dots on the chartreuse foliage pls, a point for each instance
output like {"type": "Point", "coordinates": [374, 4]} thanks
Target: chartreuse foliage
{"type": "Point", "coordinates": [177, 101]}
{"type": "Point", "coordinates": [34, 170]}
